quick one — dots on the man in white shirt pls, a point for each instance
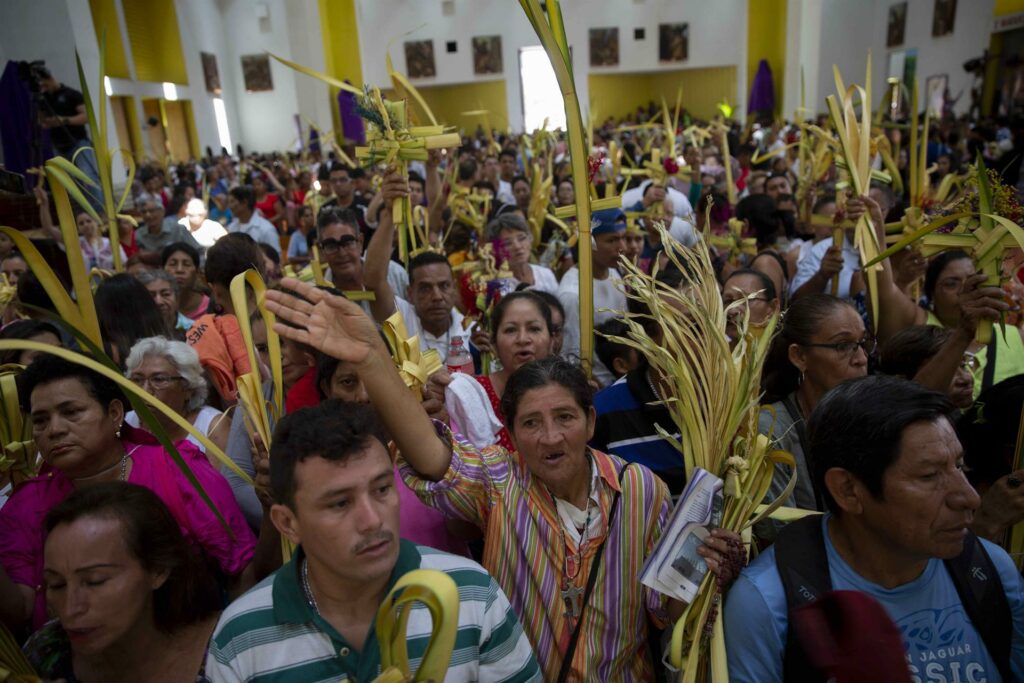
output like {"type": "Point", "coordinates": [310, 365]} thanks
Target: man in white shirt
{"type": "Point", "coordinates": [608, 228]}
{"type": "Point", "coordinates": [242, 204]}
{"type": "Point", "coordinates": [681, 206]}
{"type": "Point", "coordinates": [429, 311]}
{"type": "Point", "coordinates": [204, 231]}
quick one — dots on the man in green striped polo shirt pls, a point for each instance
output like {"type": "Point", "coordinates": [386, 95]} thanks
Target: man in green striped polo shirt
{"type": "Point", "coordinates": [313, 620]}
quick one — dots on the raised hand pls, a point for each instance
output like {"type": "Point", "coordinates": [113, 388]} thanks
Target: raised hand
{"type": "Point", "coordinates": [327, 322]}
{"type": "Point", "coordinates": [980, 302]}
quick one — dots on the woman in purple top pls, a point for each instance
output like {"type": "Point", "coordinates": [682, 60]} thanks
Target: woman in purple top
{"type": "Point", "coordinates": [77, 419]}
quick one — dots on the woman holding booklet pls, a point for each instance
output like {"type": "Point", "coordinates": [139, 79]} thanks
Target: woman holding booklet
{"type": "Point", "coordinates": [567, 528]}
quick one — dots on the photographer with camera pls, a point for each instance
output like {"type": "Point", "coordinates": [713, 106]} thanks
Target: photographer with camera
{"type": "Point", "coordinates": [62, 112]}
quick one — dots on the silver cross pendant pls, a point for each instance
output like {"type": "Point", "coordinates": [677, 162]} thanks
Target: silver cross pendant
{"type": "Point", "coordinates": [571, 597]}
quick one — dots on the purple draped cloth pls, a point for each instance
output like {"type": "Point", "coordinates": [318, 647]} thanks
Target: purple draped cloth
{"type": "Point", "coordinates": [17, 126]}
{"type": "Point", "coordinates": [762, 91]}
{"type": "Point", "coordinates": [351, 122]}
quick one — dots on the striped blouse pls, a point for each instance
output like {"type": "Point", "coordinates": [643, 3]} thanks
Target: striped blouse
{"type": "Point", "coordinates": [525, 550]}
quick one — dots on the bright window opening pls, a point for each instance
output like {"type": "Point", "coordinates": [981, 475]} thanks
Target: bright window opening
{"type": "Point", "coordinates": [221, 115]}
{"type": "Point", "coordinates": [170, 92]}
{"type": "Point", "coordinates": [542, 99]}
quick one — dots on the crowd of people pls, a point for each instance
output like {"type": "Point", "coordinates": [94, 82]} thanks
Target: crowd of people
{"type": "Point", "coordinates": [539, 489]}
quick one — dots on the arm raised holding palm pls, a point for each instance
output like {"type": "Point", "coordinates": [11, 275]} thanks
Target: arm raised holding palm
{"type": "Point", "coordinates": [338, 327]}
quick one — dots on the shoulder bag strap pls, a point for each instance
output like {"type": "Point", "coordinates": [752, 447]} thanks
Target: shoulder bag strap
{"type": "Point", "coordinates": [802, 563]}
{"type": "Point", "coordinates": [983, 596]}
{"type": "Point", "coordinates": [563, 673]}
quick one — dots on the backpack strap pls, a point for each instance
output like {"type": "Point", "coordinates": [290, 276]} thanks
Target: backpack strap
{"type": "Point", "coordinates": [983, 596]}
{"type": "Point", "coordinates": [988, 375]}
{"type": "Point", "coordinates": [802, 563]}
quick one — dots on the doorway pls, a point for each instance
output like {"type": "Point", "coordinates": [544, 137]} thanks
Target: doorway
{"type": "Point", "coordinates": [542, 98]}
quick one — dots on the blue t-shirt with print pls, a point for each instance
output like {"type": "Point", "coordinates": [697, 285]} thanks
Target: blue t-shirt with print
{"type": "Point", "coordinates": [942, 644]}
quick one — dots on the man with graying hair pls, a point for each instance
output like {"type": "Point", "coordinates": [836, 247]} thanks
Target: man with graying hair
{"type": "Point", "coordinates": [887, 461]}
{"type": "Point", "coordinates": [155, 233]}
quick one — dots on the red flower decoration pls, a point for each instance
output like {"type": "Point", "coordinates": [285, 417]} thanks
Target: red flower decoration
{"type": "Point", "coordinates": [594, 165]}
{"type": "Point", "coordinates": [671, 167]}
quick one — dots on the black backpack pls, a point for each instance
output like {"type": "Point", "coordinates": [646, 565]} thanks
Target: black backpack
{"type": "Point", "coordinates": [802, 563]}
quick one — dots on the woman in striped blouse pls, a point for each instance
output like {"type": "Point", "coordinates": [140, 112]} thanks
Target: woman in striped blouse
{"type": "Point", "coordinates": [551, 513]}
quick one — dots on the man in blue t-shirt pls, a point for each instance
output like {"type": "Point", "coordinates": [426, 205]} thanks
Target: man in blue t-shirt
{"type": "Point", "coordinates": [887, 461]}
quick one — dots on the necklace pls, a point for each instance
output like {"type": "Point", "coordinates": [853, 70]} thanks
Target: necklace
{"type": "Point", "coordinates": [653, 386]}
{"type": "Point", "coordinates": [310, 598]}
{"type": "Point", "coordinates": [572, 593]}
{"type": "Point", "coordinates": [123, 462]}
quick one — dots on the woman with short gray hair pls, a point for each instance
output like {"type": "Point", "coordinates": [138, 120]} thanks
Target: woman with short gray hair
{"type": "Point", "coordinates": [513, 235]}
{"type": "Point", "coordinates": [170, 370]}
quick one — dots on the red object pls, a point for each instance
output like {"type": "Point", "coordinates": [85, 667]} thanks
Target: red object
{"type": "Point", "coordinates": [594, 165]}
{"type": "Point", "coordinates": [504, 437]}
{"type": "Point", "coordinates": [850, 638]}
{"type": "Point", "coordinates": [671, 167]}
{"type": "Point", "coordinates": [266, 207]}
{"type": "Point", "coordinates": [131, 247]}
{"type": "Point", "coordinates": [303, 393]}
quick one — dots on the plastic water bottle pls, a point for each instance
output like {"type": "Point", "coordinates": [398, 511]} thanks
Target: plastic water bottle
{"type": "Point", "coordinates": [459, 359]}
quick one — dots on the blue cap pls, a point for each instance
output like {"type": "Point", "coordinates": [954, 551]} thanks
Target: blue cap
{"type": "Point", "coordinates": [607, 220]}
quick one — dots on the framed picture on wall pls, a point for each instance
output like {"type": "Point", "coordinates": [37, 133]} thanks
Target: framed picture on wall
{"type": "Point", "coordinates": [210, 73]}
{"type": "Point", "coordinates": [935, 93]}
{"type": "Point", "coordinates": [944, 18]}
{"type": "Point", "coordinates": [673, 42]}
{"type": "Point", "coordinates": [604, 47]}
{"type": "Point", "coordinates": [419, 59]}
{"type": "Point", "coordinates": [897, 25]}
{"type": "Point", "coordinates": [487, 55]}
{"type": "Point", "coordinates": [256, 73]}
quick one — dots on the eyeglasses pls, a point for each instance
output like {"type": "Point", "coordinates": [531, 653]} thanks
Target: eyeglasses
{"type": "Point", "coordinates": [969, 362]}
{"type": "Point", "coordinates": [158, 382]}
{"type": "Point", "coordinates": [848, 348]}
{"type": "Point", "coordinates": [331, 246]}
{"type": "Point", "coordinates": [729, 302]}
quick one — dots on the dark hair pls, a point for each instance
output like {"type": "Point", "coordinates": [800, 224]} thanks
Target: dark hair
{"type": "Point", "coordinates": [153, 537]}
{"type": "Point", "coordinates": [269, 252]}
{"type": "Point", "coordinates": [507, 153]}
{"type": "Point", "coordinates": [150, 259]}
{"type": "Point", "coordinates": [766, 282]}
{"type": "Point", "coordinates": [47, 368]}
{"type": "Point", "coordinates": [801, 321]}
{"type": "Point", "coordinates": [467, 169]}
{"type": "Point", "coordinates": [988, 431]}
{"type": "Point", "coordinates": [326, 366]}
{"type": "Point", "coordinates": [25, 329]}
{"type": "Point", "coordinates": [541, 373]}
{"type": "Point", "coordinates": [32, 293]}
{"type": "Point", "coordinates": [323, 173]}
{"type": "Point", "coordinates": [332, 430]}
{"type": "Point", "coordinates": [551, 300]}
{"type": "Point", "coordinates": [935, 268]}
{"type": "Point", "coordinates": [519, 178]}
{"type": "Point", "coordinates": [427, 258]}
{"type": "Point", "coordinates": [823, 201]}
{"type": "Point", "coordinates": [777, 174]}
{"type": "Point", "coordinates": [340, 166]}
{"type": "Point", "coordinates": [415, 177]}
{"type": "Point", "coordinates": [127, 313]}
{"type": "Point", "coordinates": [501, 308]}
{"type": "Point", "coordinates": [760, 211]}
{"type": "Point", "coordinates": [606, 349]}
{"type": "Point", "coordinates": [244, 194]}
{"type": "Point", "coordinates": [183, 247]}
{"type": "Point", "coordinates": [485, 185]}
{"type": "Point", "coordinates": [232, 254]}
{"type": "Point", "coordinates": [332, 215]}
{"type": "Point", "coordinates": [910, 348]}
{"type": "Point", "coordinates": [357, 173]}
{"type": "Point", "coordinates": [858, 426]}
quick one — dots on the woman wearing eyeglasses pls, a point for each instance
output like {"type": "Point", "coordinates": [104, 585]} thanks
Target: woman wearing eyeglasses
{"type": "Point", "coordinates": [958, 300]}
{"type": "Point", "coordinates": [170, 370]}
{"type": "Point", "coordinates": [823, 342]}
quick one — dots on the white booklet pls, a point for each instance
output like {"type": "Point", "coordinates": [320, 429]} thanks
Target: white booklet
{"type": "Point", "coordinates": [674, 568]}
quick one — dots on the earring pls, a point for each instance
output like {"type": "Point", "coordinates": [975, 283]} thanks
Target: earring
{"type": "Point", "coordinates": [117, 432]}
